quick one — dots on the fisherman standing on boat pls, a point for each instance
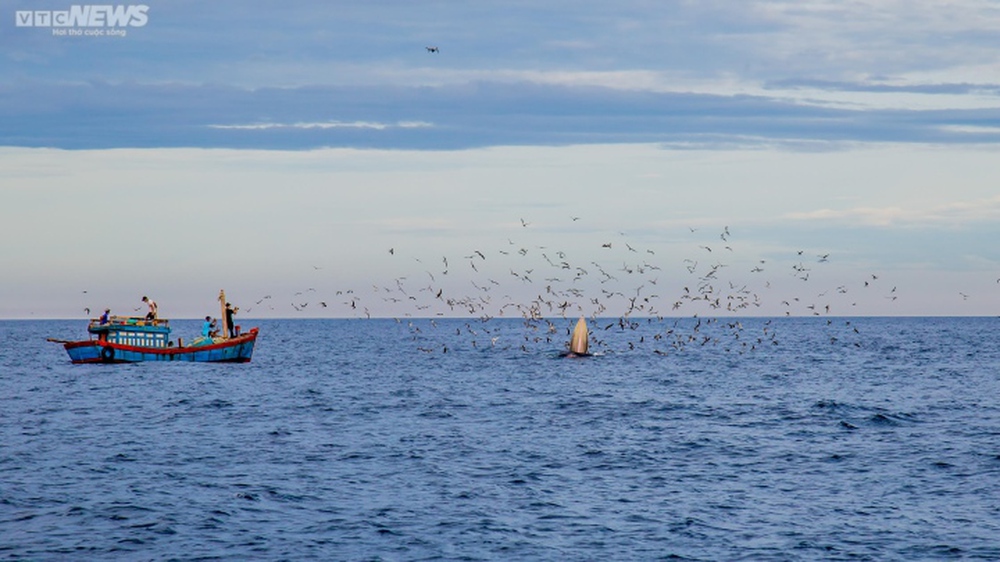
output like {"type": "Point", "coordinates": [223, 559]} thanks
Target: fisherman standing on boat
{"type": "Point", "coordinates": [104, 317]}
{"type": "Point", "coordinates": [151, 315]}
{"type": "Point", "coordinates": [230, 311]}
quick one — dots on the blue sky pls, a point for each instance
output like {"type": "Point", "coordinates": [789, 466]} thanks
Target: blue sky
{"type": "Point", "coordinates": [275, 151]}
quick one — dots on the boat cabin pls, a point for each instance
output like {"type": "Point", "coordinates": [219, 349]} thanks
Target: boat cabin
{"type": "Point", "coordinates": [131, 330]}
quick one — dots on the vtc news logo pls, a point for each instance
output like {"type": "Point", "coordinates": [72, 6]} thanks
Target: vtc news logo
{"type": "Point", "coordinates": [85, 15]}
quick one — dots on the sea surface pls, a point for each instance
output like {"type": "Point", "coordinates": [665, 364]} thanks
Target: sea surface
{"type": "Point", "coordinates": [749, 439]}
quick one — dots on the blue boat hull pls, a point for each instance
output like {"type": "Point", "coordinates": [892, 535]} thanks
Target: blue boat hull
{"type": "Point", "coordinates": [234, 350]}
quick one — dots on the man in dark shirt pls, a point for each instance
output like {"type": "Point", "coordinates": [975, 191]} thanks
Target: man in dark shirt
{"type": "Point", "coordinates": [230, 311]}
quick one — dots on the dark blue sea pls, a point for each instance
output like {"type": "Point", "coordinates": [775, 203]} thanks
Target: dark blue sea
{"type": "Point", "coordinates": [749, 439]}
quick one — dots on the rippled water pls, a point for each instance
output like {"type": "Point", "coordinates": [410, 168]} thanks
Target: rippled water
{"type": "Point", "coordinates": [862, 439]}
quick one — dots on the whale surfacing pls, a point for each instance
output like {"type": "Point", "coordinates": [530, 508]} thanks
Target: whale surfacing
{"type": "Point", "coordinates": [578, 341]}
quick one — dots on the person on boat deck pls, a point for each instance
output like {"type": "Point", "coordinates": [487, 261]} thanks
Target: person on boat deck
{"type": "Point", "coordinates": [151, 315]}
{"type": "Point", "coordinates": [104, 317]}
{"type": "Point", "coordinates": [230, 311]}
{"type": "Point", "coordinates": [208, 328]}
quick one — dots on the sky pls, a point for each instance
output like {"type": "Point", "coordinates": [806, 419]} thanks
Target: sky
{"type": "Point", "coordinates": [675, 158]}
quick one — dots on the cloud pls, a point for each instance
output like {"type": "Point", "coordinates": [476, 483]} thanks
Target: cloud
{"type": "Point", "coordinates": [972, 129]}
{"type": "Point", "coordinates": [458, 116]}
{"type": "Point", "coordinates": [948, 215]}
{"type": "Point", "coordinates": [328, 125]}
{"type": "Point", "coordinates": [513, 73]}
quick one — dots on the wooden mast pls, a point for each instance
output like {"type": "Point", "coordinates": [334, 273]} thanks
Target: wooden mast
{"type": "Point", "coordinates": [222, 305]}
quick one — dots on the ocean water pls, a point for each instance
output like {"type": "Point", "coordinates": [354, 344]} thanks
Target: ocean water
{"type": "Point", "coordinates": [766, 439]}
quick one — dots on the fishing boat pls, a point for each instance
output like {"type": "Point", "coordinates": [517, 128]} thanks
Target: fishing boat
{"type": "Point", "coordinates": [129, 339]}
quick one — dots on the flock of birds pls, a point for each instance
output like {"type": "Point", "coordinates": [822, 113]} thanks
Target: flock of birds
{"type": "Point", "coordinates": [632, 298]}
{"type": "Point", "coordinates": [620, 287]}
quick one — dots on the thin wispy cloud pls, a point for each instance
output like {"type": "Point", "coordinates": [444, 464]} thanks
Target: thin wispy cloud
{"type": "Point", "coordinates": [972, 129]}
{"type": "Point", "coordinates": [327, 125]}
{"type": "Point", "coordinates": [950, 215]}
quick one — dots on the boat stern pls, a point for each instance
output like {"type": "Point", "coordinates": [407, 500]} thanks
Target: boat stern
{"type": "Point", "coordinates": [90, 351]}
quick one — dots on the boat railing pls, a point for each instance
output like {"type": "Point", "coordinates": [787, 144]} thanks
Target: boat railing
{"type": "Point", "coordinates": [120, 321]}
